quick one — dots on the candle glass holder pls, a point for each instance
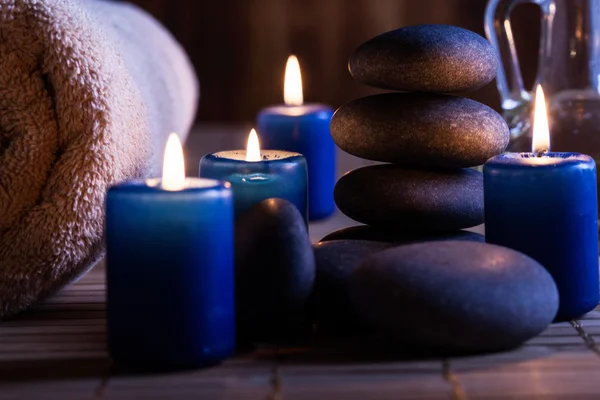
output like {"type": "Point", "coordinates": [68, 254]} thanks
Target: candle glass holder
{"type": "Point", "coordinates": [280, 174]}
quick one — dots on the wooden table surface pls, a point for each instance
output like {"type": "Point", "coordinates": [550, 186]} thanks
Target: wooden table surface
{"type": "Point", "coordinates": [58, 351]}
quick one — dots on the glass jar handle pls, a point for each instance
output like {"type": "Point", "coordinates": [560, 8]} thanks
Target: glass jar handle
{"type": "Point", "coordinates": [499, 33]}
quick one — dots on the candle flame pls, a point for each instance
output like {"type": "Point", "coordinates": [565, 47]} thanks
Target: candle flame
{"type": "Point", "coordinates": [292, 86]}
{"type": "Point", "coordinates": [253, 147]}
{"type": "Point", "coordinates": [541, 132]}
{"type": "Point", "coordinates": [173, 177]}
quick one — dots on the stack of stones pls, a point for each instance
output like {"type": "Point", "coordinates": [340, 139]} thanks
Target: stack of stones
{"type": "Point", "coordinates": [445, 290]}
{"type": "Point", "coordinates": [429, 138]}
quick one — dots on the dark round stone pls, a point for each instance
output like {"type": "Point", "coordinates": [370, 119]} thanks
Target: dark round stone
{"type": "Point", "coordinates": [275, 271]}
{"type": "Point", "coordinates": [425, 58]}
{"type": "Point", "coordinates": [372, 233]}
{"type": "Point", "coordinates": [456, 297]}
{"type": "Point", "coordinates": [396, 198]}
{"type": "Point", "coordinates": [335, 261]}
{"type": "Point", "coordinates": [340, 253]}
{"type": "Point", "coordinates": [430, 130]}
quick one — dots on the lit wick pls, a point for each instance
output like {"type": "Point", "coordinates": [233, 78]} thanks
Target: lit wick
{"type": "Point", "coordinates": [173, 177]}
{"type": "Point", "coordinates": [292, 86]}
{"type": "Point", "coordinates": [540, 145]}
{"type": "Point", "coordinates": [541, 152]}
{"type": "Point", "coordinates": [253, 148]}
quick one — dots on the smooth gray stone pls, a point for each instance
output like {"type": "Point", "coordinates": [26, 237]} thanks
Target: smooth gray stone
{"type": "Point", "coordinates": [429, 130]}
{"type": "Point", "coordinates": [391, 197]}
{"type": "Point", "coordinates": [338, 254]}
{"type": "Point", "coordinates": [425, 58]}
{"type": "Point", "coordinates": [455, 297]}
{"type": "Point", "coordinates": [275, 271]}
{"type": "Point", "coordinates": [335, 261]}
{"type": "Point", "coordinates": [398, 237]}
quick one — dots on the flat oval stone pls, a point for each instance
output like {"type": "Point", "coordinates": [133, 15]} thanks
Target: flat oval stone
{"type": "Point", "coordinates": [456, 297]}
{"type": "Point", "coordinates": [425, 58]}
{"type": "Point", "coordinates": [398, 237]}
{"type": "Point", "coordinates": [335, 262]}
{"type": "Point", "coordinates": [430, 130]}
{"type": "Point", "coordinates": [275, 271]}
{"type": "Point", "coordinates": [392, 197]}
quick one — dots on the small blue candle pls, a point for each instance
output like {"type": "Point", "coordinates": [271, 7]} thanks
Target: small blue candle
{"type": "Point", "coordinates": [170, 277]}
{"type": "Point", "coordinates": [545, 205]}
{"type": "Point", "coordinates": [303, 129]}
{"type": "Point", "coordinates": [257, 175]}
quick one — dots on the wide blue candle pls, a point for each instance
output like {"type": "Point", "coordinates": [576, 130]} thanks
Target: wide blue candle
{"type": "Point", "coordinates": [546, 207]}
{"type": "Point", "coordinates": [303, 128]}
{"type": "Point", "coordinates": [278, 174]}
{"type": "Point", "coordinates": [170, 279]}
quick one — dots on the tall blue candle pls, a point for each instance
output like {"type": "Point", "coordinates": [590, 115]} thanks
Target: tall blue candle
{"type": "Point", "coordinates": [256, 175]}
{"type": "Point", "coordinates": [303, 128]}
{"type": "Point", "coordinates": [544, 204]}
{"type": "Point", "coordinates": [170, 279]}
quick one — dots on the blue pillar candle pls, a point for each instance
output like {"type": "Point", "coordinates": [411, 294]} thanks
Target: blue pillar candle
{"type": "Point", "coordinates": [303, 128]}
{"type": "Point", "coordinates": [545, 205]}
{"type": "Point", "coordinates": [274, 173]}
{"type": "Point", "coordinates": [170, 277]}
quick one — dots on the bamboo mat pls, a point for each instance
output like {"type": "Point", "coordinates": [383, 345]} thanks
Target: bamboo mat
{"type": "Point", "coordinates": [57, 351]}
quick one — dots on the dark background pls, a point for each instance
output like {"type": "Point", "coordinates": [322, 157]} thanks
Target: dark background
{"type": "Point", "coordinates": [239, 47]}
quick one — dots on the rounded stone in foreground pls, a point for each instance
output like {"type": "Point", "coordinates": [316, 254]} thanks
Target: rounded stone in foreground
{"type": "Point", "coordinates": [275, 271]}
{"type": "Point", "coordinates": [425, 58]}
{"type": "Point", "coordinates": [398, 237]}
{"type": "Point", "coordinates": [429, 130]}
{"type": "Point", "coordinates": [335, 261]}
{"type": "Point", "coordinates": [338, 254]}
{"type": "Point", "coordinates": [455, 297]}
{"type": "Point", "coordinates": [391, 197]}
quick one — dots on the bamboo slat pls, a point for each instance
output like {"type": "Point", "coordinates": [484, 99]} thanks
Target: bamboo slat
{"type": "Point", "coordinates": [53, 390]}
{"type": "Point", "coordinates": [383, 386]}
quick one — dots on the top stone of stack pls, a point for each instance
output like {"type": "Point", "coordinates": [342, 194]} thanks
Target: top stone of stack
{"type": "Point", "coordinates": [425, 58]}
